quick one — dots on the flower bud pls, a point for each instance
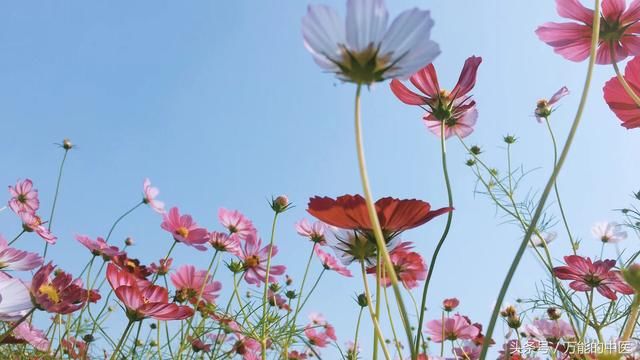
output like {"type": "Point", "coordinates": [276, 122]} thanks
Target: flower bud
{"type": "Point", "coordinates": [509, 311]}
{"type": "Point", "coordinates": [288, 280]}
{"type": "Point", "coordinates": [470, 162]}
{"type": "Point", "coordinates": [88, 338]}
{"type": "Point", "coordinates": [153, 343]}
{"type": "Point", "coordinates": [66, 144]}
{"type": "Point", "coordinates": [290, 294]}
{"type": "Point", "coordinates": [128, 241]}
{"type": "Point", "coordinates": [543, 109]}
{"type": "Point", "coordinates": [153, 326]}
{"type": "Point", "coordinates": [510, 139]}
{"type": "Point", "coordinates": [475, 150]}
{"type": "Point", "coordinates": [236, 267]}
{"type": "Point", "coordinates": [275, 287]}
{"type": "Point", "coordinates": [280, 204]}
{"type": "Point", "coordinates": [450, 304]}
{"type": "Point", "coordinates": [362, 300]}
{"type": "Point", "coordinates": [554, 313]}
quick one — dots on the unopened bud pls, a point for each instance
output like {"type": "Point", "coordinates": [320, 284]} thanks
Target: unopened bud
{"type": "Point", "coordinates": [236, 267]}
{"type": "Point", "coordinates": [450, 304]}
{"type": "Point", "coordinates": [66, 144]}
{"type": "Point", "coordinates": [470, 162]}
{"type": "Point", "coordinates": [632, 276]}
{"type": "Point", "coordinates": [554, 313]}
{"type": "Point", "coordinates": [475, 150]}
{"type": "Point", "coordinates": [280, 204]}
{"type": "Point", "coordinates": [128, 241]}
{"type": "Point", "coordinates": [362, 300]}
{"type": "Point", "coordinates": [510, 139]}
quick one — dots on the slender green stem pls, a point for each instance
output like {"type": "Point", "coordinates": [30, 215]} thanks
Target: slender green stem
{"type": "Point", "coordinates": [545, 194]}
{"type": "Point", "coordinates": [120, 218]}
{"type": "Point", "coordinates": [17, 237]}
{"type": "Point", "coordinates": [292, 322]}
{"type": "Point", "coordinates": [376, 325]}
{"type": "Point", "coordinates": [378, 277]}
{"type": "Point", "coordinates": [265, 305]}
{"type": "Point", "coordinates": [125, 334]}
{"type": "Point", "coordinates": [135, 341]}
{"type": "Point", "coordinates": [634, 311]}
{"type": "Point", "coordinates": [443, 237]}
{"type": "Point", "coordinates": [55, 200]}
{"type": "Point", "coordinates": [377, 230]}
{"type": "Point", "coordinates": [396, 342]}
{"type": "Point", "coordinates": [621, 79]}
{"type": "Point", "coordinates": [355, 338]}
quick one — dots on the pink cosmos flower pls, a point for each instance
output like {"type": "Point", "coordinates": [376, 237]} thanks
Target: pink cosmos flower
{"type": "Point", "coordinates": [554, 330]}
{"type": "Point", "coordinates": [33, 336]}
{"type": "Point", "coordinates": [544, 107]}
{"type": "Point", "coordinates": [99, 247]}
{"type": "Point", "coordinates": [149, 197]}
{"type": "Point", "coordinates": [277, 300]}
{"type": "Point", "coordinates": [59, 294]}
{"type": "Point", "coordinates": [143, 299]}
{"type": "Point", "coordinates": [315, 337]}
{"type": "Point", "coordinates": [409, 266]}
{"type": "Point", "coordinates": [297, 355]}
{"type": "Point", "coordinates": [198, 345]}
{"type": "Point", "coordinates": [24, 197]}
{"type": "Point", "coordinates": [608, 232]}
{"type": "Point", "coordinates": [225, 242]}
{"type": "Point", "coordinates": [587, 275]}
{"type": "Point", "coordinates": [455, 108]}
{"type": "Point", "coordinates": [33, 223]}
{"type": "Point", "coordinates": [619, 30]}
{"type": "Point", "coordinates": [236, 223]}
{"type": "Point", "coordinates": [469, 351]}
{"type": "Point", "coordinates": [19, 260]}
{"type": "Point", "coordinates": [314, 231]}
{"type": "Point", "coordinates": [246, 347]}
{"type": "Point", "coordinates": [450, 304]}
{"type": "Point", "coordinates": [163, 266]}
{"type": "Point", "coordinates": [15, 299]}
{"type": "Point", "coordinates": [331, 263]}
{"type": "Point", "coordinates": [319, 320]}
{"type": "Point", "coordinates": [255, 261]}
{"type": "Point", "coordinates": [193, 285]}
{"type": "Point", "coordinates": [619, 101]}
{"type": "Point", "coordinates": [184, 229]}
{"type": "Point", "coordinates": [455, 327]}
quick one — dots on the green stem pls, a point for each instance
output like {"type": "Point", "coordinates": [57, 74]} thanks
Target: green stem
{"type": "Point", "coordinates": [634, 311]}
{"type": "Point", "coordinates": [377, 230]}
{"type": "Point", "coordinates": [548, 187]}
{"type": "Point", "coordinates": [116, 351]}
{"type": "Point", "coordinates": [355, 338]}
{"type": "Point", "coordinates": [445, 233]}
{"type": "Point", "coordinates": [265, 305]}
{"type": "Point", "coordinates": [55, 200]}
{"type": "Point", "coordinates": [135, 341]}
{"type": "Point", "coordinates": [120, 218]}
{"type": "Point", "coordinates": [376, 325]}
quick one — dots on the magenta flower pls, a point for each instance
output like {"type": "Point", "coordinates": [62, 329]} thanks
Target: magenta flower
{"type": "Point", "coordinates": [331, 263]}
{"type": "Point", "coordinates": [455, 108]}
{"type": "Point", "coordinates": [619, 100]}
{"type": "Point", "coordinates": [544, 108]}
{"type": "Point", "coordinates": [59, 294]}
{"type": "Point", "coordinates": [619, 30]}
{"type": "Point", "coordinates": [33, 223]}
{"type": "Point", "coordinates": [454, 328]}
{"type": "Point", "coordinates": [314, 231]}
{"type": "Point", "coordinates": [195, 285]}
{"type": "Point", "coordinates": [184, 229]}
{"type": "Point", "coordinates": [35, 337]}
{"type": "Point", "coordinates": [24, 197]}
{"type": "Point", "coordinates": [19, 260]}
{"type": "Point", "coordinates": [225, 242]}
{"type": "Point", "coordinates": [99, 247]}
{"type": "Point", "coordinates": [236, 223]}
{"type": "Point", "coordinates": [587, 275]}
{"type": "Point", "coordinates": [149, 197]}
{"type": "Point", "coordinates": [255, 261]}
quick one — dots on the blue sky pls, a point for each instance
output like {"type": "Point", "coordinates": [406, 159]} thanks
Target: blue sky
{"type": "Point", "coordinates": [221, 106]}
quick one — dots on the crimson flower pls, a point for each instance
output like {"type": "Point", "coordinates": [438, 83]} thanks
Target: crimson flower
{"type": "Point", "coordinates": [143, 299]}
{"type": "Point", "coordinates": [59, 293]}
{"type": "Point", "coordinates": [587, 275]}
{"type": "Point", "coordinates": [619, 101]}
{"type": "Point", "coordinates": [619, 31]}
{"type": "Point", "coordinates": [409, 267]}
{"type": "Point", "coordinates": [455, 108]}
{"type": "Point", "coordinates": [132, 266]}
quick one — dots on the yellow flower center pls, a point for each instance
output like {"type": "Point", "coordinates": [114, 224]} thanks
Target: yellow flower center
{"type": "Point", "coordinates": [182, 231]}
{"type": "Point", "coordinates": [50, 291]}
{"type": "Point", "coordinates": [252, 261]}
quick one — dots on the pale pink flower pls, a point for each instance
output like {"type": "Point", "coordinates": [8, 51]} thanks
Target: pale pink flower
{"type": "Point", "coordinates": [314, 231]}
{"type": "Point", "coordinates": [554, 330]}
{"type": "Point", "coordinates": [619, 28]}
{"type": "Point", "coordinates": [236, 223]}
{"type": "Point", "coordinates": [15, 299]}
{"type": "Point", "coordinates": [99, 247]}
{"type": "Point", "coordinates": [545, 107]}
{"type": "Point", "coordinates": [15, 259]}
{"type": "Point", "coordinates": [277, 300]}
{"type": "Point", "coordinates": [149, 197]}
{"type": "Point", "coordinates": [255, 261]}
{"type": "Point", "coordinates": [33, 223]}
{"type": "Point", "coordinates": [331, 263]}
{"type": "Point", "coordinates": [608, 232]}
{"type": "Point", "coordinates": [543, 239]}
{"type": "Point", "coordinates": [455, 327]}
{"type": "Point", "coordinates": [225, 242]}
{"type": "Point", "coordinates": [195, 285]}
{"type": "Point", "coordinates": [184, 229]}
{"type": "Point", "coordinates": [24, 197]}
{"type": "Point", "coordinates": [33, 336]}
{"type": "Point", "coordinates": [318, 319]}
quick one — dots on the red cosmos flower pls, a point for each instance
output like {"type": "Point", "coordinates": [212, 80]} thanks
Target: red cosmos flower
{"type": "Point", "coordinates": [619, 28]}
{"type": "Point", "coordinates": [131, 266]}
{"type": "Point", "coordinates": [143, 299]}
{"type": "Point", "coordinates": [409, 266]}
{"type": "Point", "coordinates": [587, 275]}
{"type": "Point", "coordinates": [60, 294]}
{"type": "Point", "coordinates": [350, 212]}
{"type": "Point", "coordinates": [619, 101]}
{"type": "Point", "coordinates": [455, 108]}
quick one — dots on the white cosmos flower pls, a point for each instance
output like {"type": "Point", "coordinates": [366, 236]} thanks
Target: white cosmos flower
{"type": "Point", "coordinates": [608, 232]}
{"type": "Point", "coordinates": [363, 49]}
{"type": "Point", "coordinates": [14, 299]}
{"type": "Point", "coordinates": [546, 236]}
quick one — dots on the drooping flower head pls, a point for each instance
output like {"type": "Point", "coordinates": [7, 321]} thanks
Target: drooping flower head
{"type": "Point", "coordinates": [142, 299]}
{"type": "Point", "coordinates": [24, 197]}
{"type": "Point", "coordinates": [619, 100]}
{"type": "Point", "coordinates": [15, 299]}
{"type": "Point", "coordinates": [408, 265]}
{"type": "Point", "coordinates": [456, 327]}
{"type": "Point", "coordinates": [149, 194]}
{"type": "Point", "coordinates": [455, 109]}
{"type": "Point", "coordinates": [608, 232]}
{"type": "Point", "coordinates": [184, 229]}
{"type": "Point", "coordinates": [619, 31]}
{"type": "Point", "coordinates": [331, 263]}
{"type": "Point", "coordinates": [195, 285]}
{"type": "Point", "coordinates": [18, 260]}
{"type": "Point", "coordinates": [225, 242]}
{"type": "Point", "coordinates": [58, 292]}
{"type": "Point", "coordinates": [545, 107]}
{"type": "Point", "coordinates": [32, 223]}
{"type": "Point", "coordinates": [99, 247]}
{"type": "Point", "coordinates": [254, 260]}
{"type": "Point", "coordinates": [362, 49]}
{"type": "Point", "coordinates": [236, 223]}
{"type": "Point", "coordinates": [314, 231]}
{"type": "Point", "coordinates": [586, 275]}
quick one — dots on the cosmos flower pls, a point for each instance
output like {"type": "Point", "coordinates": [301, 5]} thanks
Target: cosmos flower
{"type": "Point", "coordinates": [450, 304]}
{"type": "Point", "coordinates": [552, 330]}
{"type": "Point", "coordinates": [15, 299]}
{"type": "Point", "coordinates": [59, 293]}
{"type": "Point", "coordinates": [163, 266]}
{"type": "Point", "coordinates": [409, 266]}
{"type": "Point", "coordinates": [545, 107]}
{"type": "Point", "coordinates": [619, 30]}
{"type": "Point", "coordinates": [254, 259]}
{"type": "Point", "coordinates": [24, 198]}
{"type": "Point", "coordinates": [362, 49]}
{"type": "Point", "coordinates": [619, 100]}
{"type": "Point", "coordinates": [455, 109]}
{"type": "Point", "coordinates": [608, 232]}
{"type": "Point", "coordinates": [132, 266]}
{"type": "Point", "coordinates": [277, 300]}
{"type": "Point", "coordinates": [99, 247]}
{"type": "Point", "coordinates": [33, 336]}
{"type": "Point", "coordinates": [18, 260]}
{"type": "Point", "coordinates": [314, 231]}
{"type": "Point", "coordinates": [236, 223]}
{"type": "Point", "coordinates": [149, 194]}
{"type": "Point", "coordinates": [225, 242]}
{"type": "Point", "coordinates": [195, 285]}
{"type": "Point", "coordinates": [184, 229]}
{"type": "Point", "coordinates": [468, 351]}
{"type": "Point", "coordinates": [455, 327]}
{"type": "Point", "coordinates": [547, 237]}
{"type": "Point", "coordinates": [331, 263]}
{"type": "Point", "coordinates": [32, 223]}
{"type": "Point", "coordinates": [586, 275]}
